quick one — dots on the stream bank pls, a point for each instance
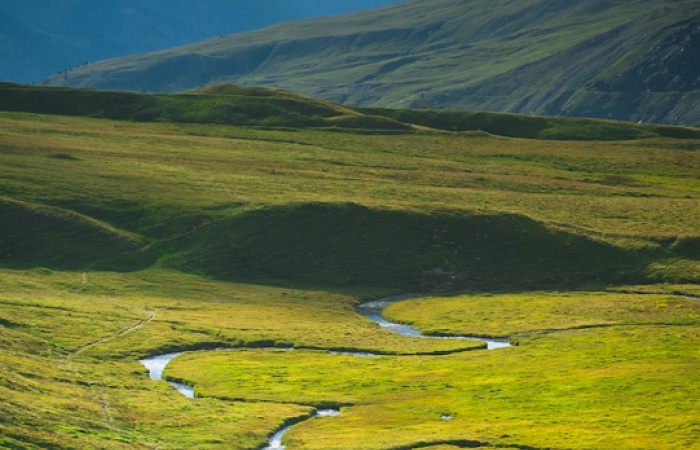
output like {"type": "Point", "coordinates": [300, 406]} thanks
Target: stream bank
{"type": "Point", "coordinates": [372, 310]}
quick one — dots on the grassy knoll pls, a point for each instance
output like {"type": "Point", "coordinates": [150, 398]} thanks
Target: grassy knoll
{"type": "Point", "coordinates": [620, 386]}
{"type": "Point", "coordinates": [36, 235]}
{"type": "Point", "coordinates": [218, 104]}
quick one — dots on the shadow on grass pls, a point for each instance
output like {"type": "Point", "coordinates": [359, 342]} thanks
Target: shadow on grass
{"type": "Point", "coordinates": [41, 236]}
{"type": "Point", "coordinates": [348, 245]}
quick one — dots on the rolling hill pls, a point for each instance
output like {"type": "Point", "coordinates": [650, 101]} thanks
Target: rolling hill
{"type": "Point", "coordinates": [632, 60]}
{"type": "Point", "coordinates": [426, 240]}
{"type": "Point", "coordinates": [241, 106]}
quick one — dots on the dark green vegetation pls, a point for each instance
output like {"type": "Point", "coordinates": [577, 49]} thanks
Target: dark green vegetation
{"type": "Point", "coordinates": [235, 105]}
{"type": "Point", "coordinates": [43, 37]}
{"type": "Point", "coordinates": [632, 60]}
{"type": "Point", "coordinates": [121, 239]}
{"type": "Point", "coordinates": [36, 235]}
{"type": "Point", "coordinates": [223, 104]}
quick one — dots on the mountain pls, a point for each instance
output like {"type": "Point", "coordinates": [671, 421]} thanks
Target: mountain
{"type": "Point", "coordinates": [41, 37]}
{"type": "Point", "coordinates": [630, 60]}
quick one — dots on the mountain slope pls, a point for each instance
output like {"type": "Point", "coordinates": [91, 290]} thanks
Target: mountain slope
{"type": "Point", "coordinates": [41, 37]}
{"type": "Point", "coordinates": [629, 60]}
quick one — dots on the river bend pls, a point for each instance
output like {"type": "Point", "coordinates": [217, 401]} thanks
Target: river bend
{"type": "Point", "coordinates": [371, 310]}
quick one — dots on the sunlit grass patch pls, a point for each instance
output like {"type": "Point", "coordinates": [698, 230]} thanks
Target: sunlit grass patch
{"type": "Point", "coordinates": [160, 311]}
{"type": "Point", "coordinates": [512, 314]}
{"type": "Point", "coordinates": [616, 387]}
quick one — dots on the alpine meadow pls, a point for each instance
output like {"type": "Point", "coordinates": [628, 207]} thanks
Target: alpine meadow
{"type": "Point", "coordinates": [323, 276]}
{"type": "Point", "coordinates": [136, 225]}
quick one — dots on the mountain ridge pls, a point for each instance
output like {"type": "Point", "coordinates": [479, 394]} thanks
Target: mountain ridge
{"type": "Point", "coordinates": [546, 57]}
{"type": "Point", "coordinates": [42, 37]}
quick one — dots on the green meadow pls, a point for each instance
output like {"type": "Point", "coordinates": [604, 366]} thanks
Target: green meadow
{"type": "Point", "coordinates": [235, 240]}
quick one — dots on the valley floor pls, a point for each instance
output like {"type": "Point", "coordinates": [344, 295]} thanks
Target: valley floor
{"type": "Point", "coordinates": [589, 370]}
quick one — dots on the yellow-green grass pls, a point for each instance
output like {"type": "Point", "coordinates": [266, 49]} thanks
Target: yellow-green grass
{"type": "Point", "coordinates": [71, 378]}
{"type": "Point", "coordinates": [512, 314]}
{"type": "Point", "coordinates": [54, 403]}
{"type": "Point", "coordinates": [613, 189]}
{"type": "Point", "coordinates": [618, 386]}
{"type": "Point", "coordinates": [181, 187]}
{"type": "Point", "coordinates": [71, 340]}
{"type": "Point", "coordinates": [56, 396]}
{"type": "Point", "coordinates": [157, 311]}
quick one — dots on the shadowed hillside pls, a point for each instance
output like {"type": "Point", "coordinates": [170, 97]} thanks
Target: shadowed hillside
{"type": "Point", "coordinates": [234, 105]}
{"type": "Point", "coordinates": [632, 60]}
{"type": "Point", "coordinates": [41, 236]}
{"type": "Point", "coordinates": [346, 245]}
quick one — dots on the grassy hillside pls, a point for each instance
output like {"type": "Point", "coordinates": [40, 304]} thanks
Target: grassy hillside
{"type": "Point", "coordinates": [45, 37]}
{"type": "Point", "coordinates": [403, 210]}
{"type": "Point", "coordinates": [121, 239]}
{"type": "Point", "coordinates": [621, 60]}
{"type": "Point", "coordinates": [235, 105]}
{"type": "Point", "coordinates": [404, 250]}
{"type": "Point", "coordinates": [218, 104]}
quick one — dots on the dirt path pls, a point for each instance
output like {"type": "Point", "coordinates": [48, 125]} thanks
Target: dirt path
{"type": "Point", "coordinates": [136, 326]}
{"type": "Point", "coordinates": [102, 399]}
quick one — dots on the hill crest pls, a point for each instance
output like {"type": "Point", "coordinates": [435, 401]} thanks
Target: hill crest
{"type": "Point", "coordinates": [265, 107]}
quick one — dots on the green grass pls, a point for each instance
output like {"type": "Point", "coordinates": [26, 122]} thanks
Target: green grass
{"type": "Point", "coordinates": [623, 362]}
{"type": "Point", "coordinates": [402, 211]}
{"type": "Point", "coordinates": [55, 395]}
{"type": "Point", "coordinates": [508, 315]}
{"type": "Point", "coordinates": [71, 341]}
{"type": "Point", "coordinates": [593, 59]}
{"type": "Point", "coordinates": [123, 239]}
{"type": "Point", "coordinates": [619, 386]}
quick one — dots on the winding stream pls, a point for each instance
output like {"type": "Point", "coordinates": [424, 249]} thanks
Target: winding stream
{"type": "Point", "coordinates": [156, 365]}
{"type": "Point", "coordinates": [275, 442]}
{"type": "Point", "coordinates": [371, 310]}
